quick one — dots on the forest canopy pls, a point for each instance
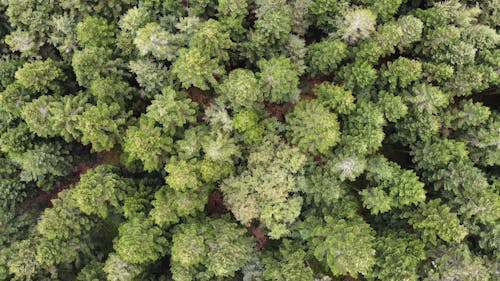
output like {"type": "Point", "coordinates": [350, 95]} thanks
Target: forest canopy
{"type": "Point", "coordinates": [253, 140]}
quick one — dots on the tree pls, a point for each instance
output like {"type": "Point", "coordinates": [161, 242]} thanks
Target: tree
{"type": "Point", "coordinates": [241, 89]}
{"type": "Point", "coordinates": [169, 205]}
{"type": "Point", "coordinates": [111, 90]}
{"type": "Point", "coordinates": [140, 241]}
{"type": "Point", "coordinates": [357, 25]}
{"type": "Point", "coordinates": [118, 269]}
{"type": "Point", "coordinates": [212, 39]}
{"type": "Point", "coordinates": [278, 79]}
{"type": "Point", "coordinates": [394, 107]}
{"type": "Point", "coordinates": [324, 57]}
{"type": "Point", "coordinates": [100, 191]}
{"type": "Point", "coordinates": [50, 116]}
{"type": "Point", "coordinates": [398, 257]}
{"type": "Point", "coordinates": [147, 143]}
{"type": "Point", "coordinates": [287, 264]}
{"type": "Point", "coordinates": [44, 164]}
{"type": "Point", "coordinates": [151, 76]}
{"type": "Point", "coordinates": [195, 68]}
{"type": "Point", "coordinates": [95, 32]}
{"type": "Point", "coordinates": [425, 97]}
{"type": "Point", "coordinates": [457, 263]}
{"type": "Point", "coordinates": [40, 75]}
{"type": "Point", "coordinates": [335, 98]}
{"type": "Point", "coordinates": [274, 24]}
{"type": "Point", "coordinates": [218, 244]}
{"type": "Point", "coordinates": [401, 72]}
{"type": "Point", "coordinates": [345, 246]}
{"type": "Point", "coordinates": [171, 110]}
{"type": "Point", "coordinates": [153, 39]}
{"type": "Point", "coordinates": [92, 63]}
{"type": "Point", "coordinates": [436, 220]}
{"type": "Point", "coordinates": [312, 127]}
{"type": "Point", "coordinates": [101, 125]}
{"type": "Point", "coordinates": [264, 190]}
{"type": "Point", "coordinates": [393, 187]}
{"type": "Point", "coordinates": [182, 175]}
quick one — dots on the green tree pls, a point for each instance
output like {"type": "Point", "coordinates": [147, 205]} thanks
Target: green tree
{"type": "Point", "coordinates": [241, 89]}
{"type": "Point", "coordinates": [100, 190]}
{"type": "Point", "coordinates": [195, 68]}
{"type": "Point", "coordinates": [102, 125]}
{"type": "Point", "coordinates": [265, 189]}
{"type": "Point", "coordinates": [435, 220]}
{"type": "Point", "coordinates": [140, 241]}
{"type": "Point", "coordinates": [219, 245]}
{"type": "Point", "coordinates": [398, 257]}
{"type": "Point", "coordinates": [287, 264]}
{"type": "Point", "coordinates": [278, 79]}
{"type": "Point", "coordinates": [95, 32]}
{"type": "Point", "coordinates": [393, 187]}
{"type": "Point", "coordinates": [170, 205]}
{"type": "Point", "coordinates": [44, 164]}
{"type": "Point", "coordinates": [147, 143]}
{"type": "Point", "coordinates": [171, 109]}
{"type": "Point", "coordinates": [212, 39]}
{"type": "Point", "coordinates": [153, 39]}
{"type": "Point", "coordinates": [324, 57]}
{"type": "Point", "coordinates": [312, 127]}
{"type": "Point", "coordinates": [40, 75]}
{"type": "Point", "coordinates": [334, 97]}
{"type": "Point", "coordinates": [346, 246]}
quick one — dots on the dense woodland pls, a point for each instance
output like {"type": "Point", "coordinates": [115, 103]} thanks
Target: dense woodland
{"type": "Point", "coordinates": [249, 140]}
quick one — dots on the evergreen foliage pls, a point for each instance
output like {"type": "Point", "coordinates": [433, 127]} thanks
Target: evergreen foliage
{"type": "Point", "coordinates": [292, 140]}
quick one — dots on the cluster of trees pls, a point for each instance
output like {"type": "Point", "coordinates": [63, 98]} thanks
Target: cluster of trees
{"type": "Point", "coordinates": [249, 140]}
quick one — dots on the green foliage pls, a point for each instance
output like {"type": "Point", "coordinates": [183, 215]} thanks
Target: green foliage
{"type": "Point", "coordinates": [148, 144]}
{"type": "Point", "coordinates": [92, 63]}
{"type": "Point", "coordinates": [140, 241]}
{"type": "Point", "coordinates": [401, 72]}
{"type": "Point", "coordinates": [49, 116]}
{"type": "Point", "coordinates": [217, 244]}
{"type": "Point", "coordinates": [393, 187]}
{"type": "Point", "coordinates": [334, 97]}
{"type": "Point", "coordinates": [262, 191]}
{"type": "Point", "coordinates": [313, 128]}
{"type": "Point", "coordinates": [99, 190]}
{"type": "Point", "coordinates": [345, 246]}
{"type": "Point", "coordinates": [101, 125]}
{"type": "Point", "coordinates": [457, 263]}
{"type": "Point", "coordinates": [212, 39]}
{"type": "Point", "coordinates": [357, 25]}
{"type": "Point", "coordinates": [153, 39]}
{"type": "Point", "coordinates": [171, 110]}
{"type": "Point", "coordinates": [287, 264]}
{"type": "Point", "coordinates": [40, 75]}
{"type": "Point", "coordinates": [95, 32]}
{"type": "Point", "coordinates": [247, 122]}
{"type": "Point", "coordinates": [436, 220]}
{"type": "Point", "coordinates": [118, 269]}
{"type": "Point", "coordinates": [279, 79]}
{"type": "Point", "coordinates": [398, 257]}
{"type": "Point", "coordinates": [241, 89]}
{"type": "Point", "coordinates": [150, 75]}
{"type": "Point", "coordinates": [195, 68]}
{"type": "Point", "coordinates": [182, 175]}
{"type": "Point", "coordinates": [170, 205]}
{"type": "Point", "coordinates": [44, 164]}
{"type": "Point", "coordinates": [324, 57]}
{"type": "Point", "coordinates": [393, 106]}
